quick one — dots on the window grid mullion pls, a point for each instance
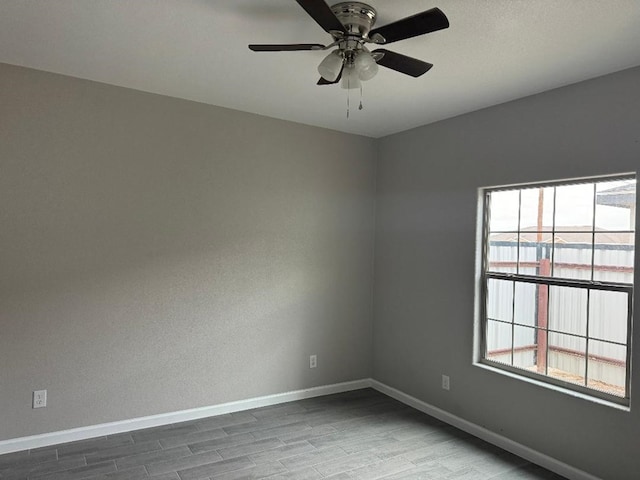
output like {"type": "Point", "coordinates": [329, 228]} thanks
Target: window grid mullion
{"type": "Point", "coordinates": [513, 290]}
{"type": "Point", "coordinates": [567, 231]}
{"type": "Point", "coordinates": [518, 233]}
{"type": "Point", "coordinates": [513, 328]}
{"type": "Point", "coordinates": [586, 348]}
{"type": "Point", "coordinates": [552, 253]}
{"type": "Point", "coordinates": [593, 232]}
{"type": "Point", "coordinates": [627, 383]}
{"type": "Point", "coordinates": [568, 334]}
{"type": "Point", "coordinates": [559, 282]}
{"type": "Point", "coordinates": [546, 333]}
{"type": "Point", "coordinates": [593, 259]}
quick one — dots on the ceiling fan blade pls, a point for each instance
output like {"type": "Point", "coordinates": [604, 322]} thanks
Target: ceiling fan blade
{"type": "Point", "coordinates": [403, 64]}
{"type": "Point", "coordinates": [286, 48]}
{"type": "Point", "coordinates": [322, 14]}
{"type": "Point", "coordinates": [419, 24]}
{"type": "Point", "coordinates": [322, 81]}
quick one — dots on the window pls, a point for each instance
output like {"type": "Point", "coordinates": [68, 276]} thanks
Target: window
{"type": "Point", "coordinates": [557, 283]}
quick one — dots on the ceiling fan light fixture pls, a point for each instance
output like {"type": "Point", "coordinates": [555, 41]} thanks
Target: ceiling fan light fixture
{"type": "Point", "coordinates": [350, 25]}
{"type": "Point", "coordinates": [365, 65]}
{"type": "Point", "coordinates": [331, 66]}
{"type": "Point", "coordinates": [350, 78]}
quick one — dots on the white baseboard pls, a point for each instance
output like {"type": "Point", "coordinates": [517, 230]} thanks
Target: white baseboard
{"type": "Point", "coordinates": [516, 448]}
{"type": "Point", "coordinates": [83, 433]}
{"type": "Point", "coordinates": [92, 431]}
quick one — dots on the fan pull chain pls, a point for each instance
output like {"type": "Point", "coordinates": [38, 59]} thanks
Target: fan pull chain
{"type": "Point", "coordinates": [347, 99]}
{"type": "Point", "coordinates": [360, 106]}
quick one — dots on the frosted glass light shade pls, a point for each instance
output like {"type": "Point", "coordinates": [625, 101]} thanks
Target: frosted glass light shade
{"type": "Point", "coordinates": [350, 78]}
{"type": "Point", "coordinates": [366, 66]}
{"type": "Point", "coordinates": [330, 67]}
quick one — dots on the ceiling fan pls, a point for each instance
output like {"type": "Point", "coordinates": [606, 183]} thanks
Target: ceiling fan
{"type": "Point", "coordinates": [350, 25]}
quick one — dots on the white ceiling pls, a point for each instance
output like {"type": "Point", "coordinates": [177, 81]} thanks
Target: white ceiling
{"type": "Point", "coordinates": [494, 51]}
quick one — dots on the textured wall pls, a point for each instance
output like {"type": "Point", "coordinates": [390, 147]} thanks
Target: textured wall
{"type": "Point", "coordinates": [425, 269]}
{"type": "Point", "coordinates": [158, 254]}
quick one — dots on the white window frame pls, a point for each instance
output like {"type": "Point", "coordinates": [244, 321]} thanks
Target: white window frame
{"type": "Point", "coordinates": [589, 285]}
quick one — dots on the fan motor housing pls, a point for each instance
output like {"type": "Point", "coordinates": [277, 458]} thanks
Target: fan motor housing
{"type": "Point", "coordinates": [357, 17]}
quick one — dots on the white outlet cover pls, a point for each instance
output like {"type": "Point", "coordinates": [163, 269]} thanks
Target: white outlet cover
{"type": "Point", "coordinates": [39, 398]}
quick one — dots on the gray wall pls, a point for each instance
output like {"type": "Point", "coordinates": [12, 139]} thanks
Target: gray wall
{"type": "Point", "coordinates": [158, 254]}
{"type": "Point", "coordinates": [425, 269]}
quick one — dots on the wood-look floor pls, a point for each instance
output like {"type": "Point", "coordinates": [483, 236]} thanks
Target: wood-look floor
{"type": "Point", "coordinates": [356, 435]}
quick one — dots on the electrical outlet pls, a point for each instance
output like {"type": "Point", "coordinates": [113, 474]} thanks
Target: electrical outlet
{"type": "Point", "coordinates": [313, 361]}
{"type": "Point", "coordinates": [39, 398]}
{"type": "Point", "coordinates": [445, 382]}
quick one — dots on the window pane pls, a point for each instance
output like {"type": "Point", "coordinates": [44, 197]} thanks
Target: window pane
{"type": "Point", "coordinates": [566, 358]}
{"type": "Point", "coordinates": [607, 367]}
{"type": "Point", "coordinates": [613, 257]}
{"type": "Point", "coordinates": [535, 254]}
{"type": "Point", "coordinates": [574, 207]}
{"type": "Point", "coordinates": [525, 351]}
{"type": "Point", "coordinates": [572, 255]}
{"type": "Point", "coordinates": [568, 310]}
{"type": "Point", "coordinates": [503, 252]}
{"type": "Point", "coordinates": [499, 342]}
{"type": "Point", "coordinates": [499, 299]}
{"type": "Point", "coordinates": [608, 315]}
{"type": "Point", "coordinates": [504, 211]}
{"type": "Point", "coordinates": [527, 302]}
{"type": "Point", "coordinates": [580, 237]}
{"type": "Point", "coordinates": [536, 211]}
{"type": "Point", "coordinates": [615, 205]}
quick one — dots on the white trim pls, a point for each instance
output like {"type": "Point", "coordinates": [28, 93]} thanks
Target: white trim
{"type": "Point", "coordinates": [553, 386]}
{"type": "Point", "coordinates": [92, 431]}
{"type": "Point", "coordinates": [83, 433]}
{"type": "Point", "coordinates": [516, 448]}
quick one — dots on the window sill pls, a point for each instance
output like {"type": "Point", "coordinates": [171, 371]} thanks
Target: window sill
{"type": "Point", "coordinates": [556, 388]}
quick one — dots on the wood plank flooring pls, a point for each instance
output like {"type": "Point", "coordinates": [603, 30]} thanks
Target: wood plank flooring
{"type": "Point", "coordinates": [355, 435]}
